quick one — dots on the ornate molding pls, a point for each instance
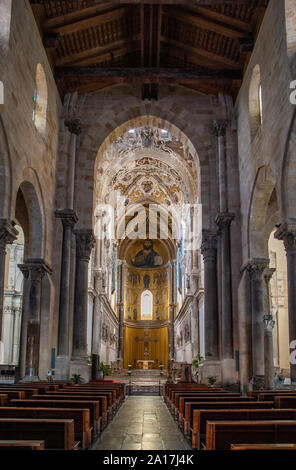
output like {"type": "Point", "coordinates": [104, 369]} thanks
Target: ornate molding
{"type": "Point", "coordinates": [287, 233]}
{"type": "Point", "coordinates": [85, 242]}
{"type": "Point", "coordinates": [74, 126]}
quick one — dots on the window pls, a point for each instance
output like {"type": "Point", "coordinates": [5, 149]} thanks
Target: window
{"type": "Point", "coordinates": [40, 100]}
{"type": "Point", "coordinates": [255, 101]}
{"type": "Point", "coordinates": [146, 305]}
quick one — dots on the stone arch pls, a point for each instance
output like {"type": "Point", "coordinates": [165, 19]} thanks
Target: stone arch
{"type": "Point", "coordinates": [29, 211]}
{"type": "Point", "coordinates": [5, 174]}
{"type": "Point", "coordinates": [255, 102]}
{"type": "Point", "coordinates": [104, 132]}
{"type": "Point", "coordinates": [288, 180]}
{"type": "Point", "coordinates": [5, 22]}
{"type": "Point", "coordinates": [263, 213]}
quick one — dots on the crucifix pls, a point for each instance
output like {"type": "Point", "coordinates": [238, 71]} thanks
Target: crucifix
{"type": "Point", "coordinates": [146, 340]}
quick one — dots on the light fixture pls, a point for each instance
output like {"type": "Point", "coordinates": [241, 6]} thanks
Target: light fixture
{"type": "Point", "coordinates": [268, 321]}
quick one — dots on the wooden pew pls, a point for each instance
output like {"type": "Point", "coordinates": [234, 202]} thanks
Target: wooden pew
{"type": "Point", "coordinates": [203, 416]}
{"type": "Point", "coordinates": [210, 398]}
{"type": "Point", "coordinates": [283, 401]}
{"type": "Point", "coordinates": [102, 400]}
{"type": "Point", "coordinates": [92, 406]}
{"type": "Point", "coordinates": [42, 388]}
{"type": "Point", "coordinates": [263, 447]}
{"type": "Point", "coordinates": [81, 417]}
{"type": "Point", "coordinates": [190, 421]}
{"type": "Point", "coordinates": [256, 393]}
{"type": "Point", "coordinates": [170, 388]}
{"type": "Point", "coordinates": [111, 399]}
{"type": "Point", "coordinates": [221, 434]}
{"type": "Point", "coordinates": [172, 391]}
{"type": "Point", "coordinates": [14, 394]}
{"type": "Point", "coordinates": [29, 392]}
{"type": "Point", "coordinates": [21, 445]}
{"type": "Point", "coordinates": [57, 434]}
{"type": "Point", "coordinates": [178, 407]}
{"type": "Point", "coordinates": [272, 395]}
{"type": "Point", "coordinates": [3, 400]}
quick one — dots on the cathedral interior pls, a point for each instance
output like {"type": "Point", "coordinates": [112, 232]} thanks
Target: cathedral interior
{"type": "Point", "coordinates": [147, 188]}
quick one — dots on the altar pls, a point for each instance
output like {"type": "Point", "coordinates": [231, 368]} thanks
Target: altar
{"type": "Point", "coordinates": [144, 364]}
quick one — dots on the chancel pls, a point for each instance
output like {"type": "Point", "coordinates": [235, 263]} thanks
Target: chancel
{"type": "Point", "coordinates": [147, 223]}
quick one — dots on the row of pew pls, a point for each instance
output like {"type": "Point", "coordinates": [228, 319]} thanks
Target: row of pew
{"type": "Point", "coordinates": [216, 419]}
{"type": "Point", "coordinates": [56, 415]}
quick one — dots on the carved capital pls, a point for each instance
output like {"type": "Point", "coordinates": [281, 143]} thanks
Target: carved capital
{"type": "Point", "coordinates": [224, 219]}
{"type": "Point", "coordinates": [68, 216]}
{"type": "Point", "coordinates": [268, 273]}
{"type": "Point", "coordinates": [209, 245]}
{"type": "Point", "coordinates": [287, 233]}
{"type": "Point", "coordinates": [74, 126]}
{"type": "Point", "coordinates": [34, 269]}
{"type": "Point", "coordinates": [256, 267]}
{"type": "Point", "coordinates": [8, 233]}
{"type": "Point", "coordinates": [85, 242]}
{"type": "Point", "coordinates": [220, 126]}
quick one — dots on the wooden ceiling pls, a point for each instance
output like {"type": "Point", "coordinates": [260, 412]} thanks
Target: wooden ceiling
{"type": "Point", "coordinates": [202, 44]}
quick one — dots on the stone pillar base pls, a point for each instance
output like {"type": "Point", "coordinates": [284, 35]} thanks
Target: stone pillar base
{"type": "Point", "coordinates": [30, 378]}
{"type": "Point", "coordinates": [258, 382]}
{"type": "Point", "coordinates": [210, 369]}
{"type": "Point", "coordinates": [80, 366]}
{"type": "Point", "coordinates": [62, 368]}
{"type": "Point", "coordinates": [228, 372]}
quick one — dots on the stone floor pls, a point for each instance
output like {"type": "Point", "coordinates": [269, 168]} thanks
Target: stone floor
{"type": "Point", "coordinates": [142, 423]}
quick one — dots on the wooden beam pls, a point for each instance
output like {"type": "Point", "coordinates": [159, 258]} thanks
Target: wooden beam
{"type": "Point", "coordinates": [90, 22]}
{"type": "Point", "coordinates": [93, 54]}
{"type": "Point", "coordinates": [204, 23]}
{"type": "Point", "coordinates": [180, 55]}
{"type": "Point", "coordinates": [250, 3]}
{"type": "Point", "coordinates": [83, 13]}
{"type": "Point", "coordinates": [146, 75]}
{"type": "Point", "coordinates": [228, 63]}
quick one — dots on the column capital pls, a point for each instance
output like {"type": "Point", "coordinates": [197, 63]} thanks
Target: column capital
{"type": "Point", "coordinates": [36, 268]}
{"type": "Point", "coordinates": [220, 126]}
{"type": "Point", "coordinates": [74, 126]}
{"type": "Point", "coordinates": [256, 267]}
{"type": "Point", "coordinates": [209, 244]}
{"type": "Point", "coordinates": [287, 233]}
{"type": "Point", "coordinates": [85, 242]}
{"type": "Point", "coordinates": [8, 232]}
{"type": "Point", "coordinates": [224, 219]}
{"type": "Point", "coordinates": [68, 216]}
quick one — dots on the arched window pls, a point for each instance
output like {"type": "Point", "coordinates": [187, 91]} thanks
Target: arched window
{"type": "Point", "coordinates": [146, 305]}
{"type": "Point", "coordinates": [5, 20]}
{"type": "Point", "coordinates": [290, 12]}
{"type": "Point", "coordinates": [40, 100]}
{"type": "Point", "coordinates": [255, 101]}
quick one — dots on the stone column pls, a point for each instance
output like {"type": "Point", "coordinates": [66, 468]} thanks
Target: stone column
{"type": "Point", "coordinates": [256, 268]}
{"type": "Point", "coordinates": [7, 235]}
{"type": "Point", "coordinates": [268, 324]}
{"type": "Point", "coordinates": [211, 365]}
{"type": "Point", "coordinates": [223, 220]}
{"type": "Point", "coordinates": [172, 313]}
{"type": "Point", "coordinates": [69, 219]}
{"type": "Point", "coordinates": [97, 324]}
{"type": "Point", "coordinates": [79, 363]}
{"type": "Point", "coordinates": [74, 127]}
{"type": "Point", "coordinates": [287, 233]}
{"type": "Point", "coordinates": [120, 354]}
{"type": "Point", "coordinates": [33, 270]}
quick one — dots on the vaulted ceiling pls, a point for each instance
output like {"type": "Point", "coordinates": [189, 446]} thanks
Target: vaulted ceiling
{"type": "Point", "coordinates": [203, 44]}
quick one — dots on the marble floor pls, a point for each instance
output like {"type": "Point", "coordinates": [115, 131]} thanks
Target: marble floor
{"type": "Point", "coordinates": [142, 423]}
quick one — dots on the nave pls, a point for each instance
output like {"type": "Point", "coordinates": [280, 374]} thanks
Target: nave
{"type": "Point", "coordinates": [142, 423]}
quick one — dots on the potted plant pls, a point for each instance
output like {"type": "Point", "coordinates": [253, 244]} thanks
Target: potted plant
{"type": "Point", "coordinates": [212, 380]}
{"type": "Point", "coordinates": [77, 379]}
{"type": "Point", "coordinates": [103, 370]}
